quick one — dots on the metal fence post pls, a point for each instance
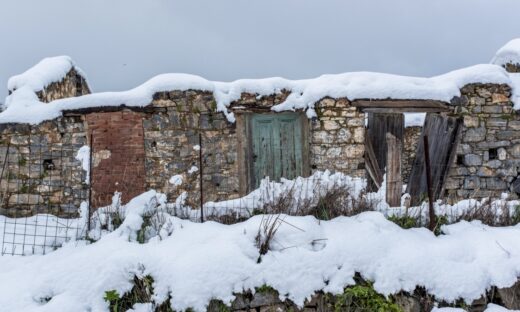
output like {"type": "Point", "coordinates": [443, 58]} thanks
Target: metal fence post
{"type": "Point", "coordinates": [90, 181]}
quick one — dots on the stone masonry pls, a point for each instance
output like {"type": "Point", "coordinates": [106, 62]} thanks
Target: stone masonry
{"type": "Point", "coordinates": [136, 149]}
{"type": "Point", "coordinates": [40, 172]}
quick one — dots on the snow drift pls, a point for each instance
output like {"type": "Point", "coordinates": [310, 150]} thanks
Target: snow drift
{"type": "Point", "coordinates": [194, 263]}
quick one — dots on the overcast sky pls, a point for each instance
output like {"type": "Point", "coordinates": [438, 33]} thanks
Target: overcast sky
{"type": "Point", "coordinates": [122, 43]}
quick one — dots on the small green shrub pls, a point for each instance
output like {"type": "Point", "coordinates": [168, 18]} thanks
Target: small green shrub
{"type": "Point", "coordinates": [440, 221]}
{"type": "Point", "coordinates": [113, 298]}
{"type": "Point", "coordinates": [141, 292]}
{"type": "Point", "coordinates": [364, 298]}
{"type": "Point", "coordinates": [406, 221]}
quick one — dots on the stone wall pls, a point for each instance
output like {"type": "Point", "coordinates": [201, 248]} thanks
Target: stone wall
{"type": "Point", "coordinates": [267, 299]}
{"type": "Point", "coordinates": [338, 138]}
{"type": "Point", "coordinates": [512, 68]}
{"type": "Point", "coordinates": [41, 173]}
{"type": "Point", "coordinates": [73, 84]}
{"type": "Point", "coordinates": [488, 154]}
{"type": "Point", "coordinates": [412, 135]}
{"type": "Point", "coordinates": [171, 136]}
{"type": "Point", "coordinates": [336, 142]}
{"type": "Point", "coordinates": [142, 148]}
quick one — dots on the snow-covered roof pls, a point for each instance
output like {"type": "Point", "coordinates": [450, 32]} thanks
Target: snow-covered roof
{"type": "Point", "coordinates": [508, 54]}
{"type": "Point", "coordinates": [47, 71]}
{"type": "Point", "coordinates": [304, 93]}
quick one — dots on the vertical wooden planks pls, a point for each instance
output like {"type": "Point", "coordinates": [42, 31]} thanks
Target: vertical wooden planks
{"type": "Point", "coordinates": [379, 124]}
{"type": "Point", "coordinates": [371, 164]}
{"type": "Point", "coordinates": [277, 147]}
{"type": "Point", "coordinates": [394, 182]}
{"type": "Point", "coordinates": [443, 135]}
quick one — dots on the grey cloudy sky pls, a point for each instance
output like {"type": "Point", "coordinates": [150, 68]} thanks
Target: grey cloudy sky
{"type": "Point", "coordinates": [122, 43]}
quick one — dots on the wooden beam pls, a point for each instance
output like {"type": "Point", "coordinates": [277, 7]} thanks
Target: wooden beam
{"type": "Point", "coordinates": [401, 106]}
{"type": "Point", "coordinates": [109, 109]}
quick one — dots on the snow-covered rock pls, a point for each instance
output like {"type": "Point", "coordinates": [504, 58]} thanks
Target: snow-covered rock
{"type": "Point", "coordinates": [508, 54]}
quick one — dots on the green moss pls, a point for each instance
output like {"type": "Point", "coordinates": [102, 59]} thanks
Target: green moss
{"type": "Point", "coordinates": [218, 305]}
{"type": "Point", "coordinates": [364, 298]}
{"type": "Point", "coordinates": [265, 289]}
{"type": "Point", "coordinates": [213, 105]}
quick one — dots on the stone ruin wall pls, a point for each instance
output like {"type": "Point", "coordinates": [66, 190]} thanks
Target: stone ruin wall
{"type": "Point", "coordinates": [338, 138]}
{"type": "Point", "coordinates": [488, 154]}
{"type": "Point", "coordinates": [487, 162]}
{"type": "Point", "coordinates": [171, 133]}
{"type": "Point", "coordinates": [512, 68]}
{"type": "Point", "coordinates": [73, 84]}
{"type": "Point", "coordinates": [38, 166]}
{"type": "Point", "coordinates": [39, 169]}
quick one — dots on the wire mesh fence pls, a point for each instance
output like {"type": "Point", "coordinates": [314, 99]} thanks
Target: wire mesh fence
{"type": "Point", "coordinates": [44, 193]}
{"type": "Point", "coordinates": [42, 188]}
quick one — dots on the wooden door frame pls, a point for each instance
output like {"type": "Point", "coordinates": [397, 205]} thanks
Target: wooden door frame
{"type": "Point", "coordinates": [245, 147]}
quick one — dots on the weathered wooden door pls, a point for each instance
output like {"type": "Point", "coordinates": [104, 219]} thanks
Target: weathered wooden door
{"type": "Point", "coordinates": [277, 146]}
{"type": "Point", "coordinates": [443, 137]}
{"type": "Point", "coordinates": [379, 124]}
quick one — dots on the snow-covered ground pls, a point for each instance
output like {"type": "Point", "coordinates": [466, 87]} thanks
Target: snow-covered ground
{"type": "Point", "coordinates": [194, 262]}
{"type": "Point", "coordinates": [198, 262]}
{"type": "Point", "coordinates": [299, 197]}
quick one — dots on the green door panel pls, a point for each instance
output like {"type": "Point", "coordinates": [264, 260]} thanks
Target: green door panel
{"type": "Point", "coordinates": [276, 146]}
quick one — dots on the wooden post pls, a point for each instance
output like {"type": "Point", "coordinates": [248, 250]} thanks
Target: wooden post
{"type": "Point", "coordinates": [200, 180]}
{"type": "Point", "coordinates": [394, 183]}
{"type": "Point", "coordinates": [429, 183]}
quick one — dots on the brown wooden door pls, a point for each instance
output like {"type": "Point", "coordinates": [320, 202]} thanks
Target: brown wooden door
{"type": "Point", "coordinates": [443, 138]}
{"type": "Point", "coordinates": [379, 124]}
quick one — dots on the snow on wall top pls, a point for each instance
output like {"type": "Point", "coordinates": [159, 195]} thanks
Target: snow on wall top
{"type": "Point", "coordinates": [47, 71]}
{"type": "Point", "coordinates": [304, 93]}
{"type": "Point", "coordinates": [509, 53]}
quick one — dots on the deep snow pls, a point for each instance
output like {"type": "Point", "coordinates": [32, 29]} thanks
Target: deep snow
{"type": "Point", "coordinates": [195, 262]}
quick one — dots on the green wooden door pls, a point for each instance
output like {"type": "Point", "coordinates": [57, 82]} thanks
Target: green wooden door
{"type": "Point", "coordinates": [277, 146]}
